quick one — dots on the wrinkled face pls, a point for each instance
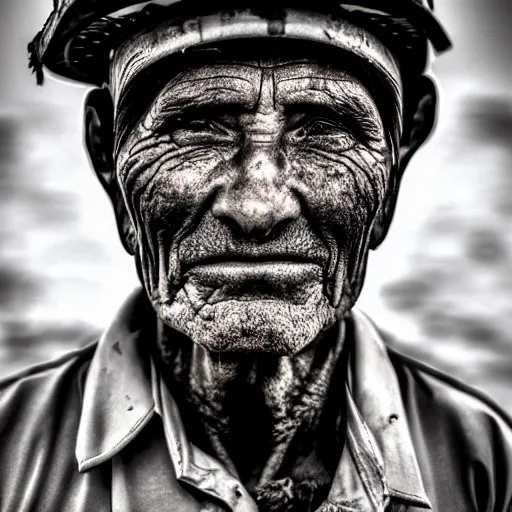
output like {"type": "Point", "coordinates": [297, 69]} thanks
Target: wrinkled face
{"type": "Point", "coordinates": [252, 187]}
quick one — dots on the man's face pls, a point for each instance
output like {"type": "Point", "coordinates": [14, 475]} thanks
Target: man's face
{"type": "Point", "coordinates": [252, 187]}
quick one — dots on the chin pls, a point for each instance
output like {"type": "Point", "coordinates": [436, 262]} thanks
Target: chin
{"type": "Point", "coordinates": [273, 326]}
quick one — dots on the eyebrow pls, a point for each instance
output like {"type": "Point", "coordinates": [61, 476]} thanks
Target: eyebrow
{"type": "Point", "coordinates": [187, 96]}
{"type": "Point", "coordinates": [327, 101]}
{"type": "Point", "coordinates": [199, 108]}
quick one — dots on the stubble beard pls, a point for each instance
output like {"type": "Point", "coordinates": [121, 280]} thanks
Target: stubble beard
{"type": "Point", "coordinates": [283, 320]}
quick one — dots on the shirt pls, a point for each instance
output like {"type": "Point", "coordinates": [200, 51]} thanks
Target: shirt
{"type": "Point", "coordinates": [99, 430]}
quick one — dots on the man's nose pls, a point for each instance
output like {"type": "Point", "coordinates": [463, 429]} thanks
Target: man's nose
{"type": "Point", "coordinates": [257, 201]}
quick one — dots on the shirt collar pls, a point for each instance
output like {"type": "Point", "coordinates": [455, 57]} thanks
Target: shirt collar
{"type": "Point", "coordinates": [118, 400]}
{"type": "Point", "coordinates": [123, 392]}
{"type": "Point", "coordinates": [378, 445]}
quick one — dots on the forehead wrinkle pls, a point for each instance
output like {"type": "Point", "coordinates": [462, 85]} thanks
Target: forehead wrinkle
{"type": "Point", "coordinates": [226, 82]}
{"type": "Point", "coordinates": [337, 90]}
{"type": "Point", "coordinates": [204, 89]}
{"type": "Point", "coordinates": [300, 69]}
{"type": "Point", "coordinates": [252, 64]}
{"type": "Point", "coordinates": [228, 68]}
{"type": "Point", "coordinates": [310, 78]}
{"type": "Point", "coordinates": [214, 77]}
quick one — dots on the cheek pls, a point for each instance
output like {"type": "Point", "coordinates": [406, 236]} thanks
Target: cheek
{"type": "Point", "coordinates": [342, 191]}
{"type": "Point", "coordinates": [166, 185]}
{"type": "Point", "coordinates": [169, 199]}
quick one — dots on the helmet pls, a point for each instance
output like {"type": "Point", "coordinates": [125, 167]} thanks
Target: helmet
{"type": "Point", "coordinates": [79, 36]}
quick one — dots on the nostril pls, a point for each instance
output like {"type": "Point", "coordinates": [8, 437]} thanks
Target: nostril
{"type": "Point", "coordinates": [231, 223]}
{"type": "Point", "coordinates": [280, 226]}
{"type": "Point", "coordinates": [259, 233]}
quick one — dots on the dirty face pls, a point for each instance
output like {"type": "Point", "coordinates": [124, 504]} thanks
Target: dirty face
{"type": "Point", "coordinates": [252, 188]}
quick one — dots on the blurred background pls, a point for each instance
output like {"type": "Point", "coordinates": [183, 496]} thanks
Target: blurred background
{"type": "Point", "coordinates": [441, 283]}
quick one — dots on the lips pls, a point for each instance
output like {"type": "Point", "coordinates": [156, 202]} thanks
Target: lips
{"type": "Point", "coordinates": [251, 280]}
{"type": "Point", "coordinates": [242, 259]}
{"type": "Point", "coordinates": [239, 271]}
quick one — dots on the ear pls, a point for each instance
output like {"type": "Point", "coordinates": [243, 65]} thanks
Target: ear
{"type": "Point", "coordinates": [99, 141]}
{"type": "Point", "coordinates": [420, 113]}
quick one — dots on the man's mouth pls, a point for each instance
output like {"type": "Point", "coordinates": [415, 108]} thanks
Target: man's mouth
{"type": "Point", "coordinates": [237, 271]}
{"type": "Point", "coordinates": [253, 280]}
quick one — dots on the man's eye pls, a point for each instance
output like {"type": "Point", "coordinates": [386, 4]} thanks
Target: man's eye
{"type": "Point", "coordinates": [222, 125]}
{"type": "Point", "coordinates": [196, 125]}
{"type": "Point", "coordinates": [326, 133]}
{"type": "Point", "coordinates": [199, 130]}
{"type": "Point", "coordinates": [321, 126]}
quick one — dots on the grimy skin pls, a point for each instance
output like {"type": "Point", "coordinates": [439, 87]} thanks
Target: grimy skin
{"type": "Point", "coordinates": [250, 192]}
{"type": "Point", "coordinates": [251, 188]}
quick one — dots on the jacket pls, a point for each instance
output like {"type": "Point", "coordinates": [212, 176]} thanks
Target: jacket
{"type": "Point", "coordinates": [97, 430]}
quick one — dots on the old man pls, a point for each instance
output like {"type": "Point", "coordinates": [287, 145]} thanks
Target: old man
{"type": "Point", "coordinates": [253, 158]}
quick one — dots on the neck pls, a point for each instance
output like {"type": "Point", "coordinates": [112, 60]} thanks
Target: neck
{"type": "Point", "coordinates": [250, 408]}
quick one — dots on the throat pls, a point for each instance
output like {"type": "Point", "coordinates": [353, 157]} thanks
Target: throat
{"type": "Point", "coordinates": [267, 418]}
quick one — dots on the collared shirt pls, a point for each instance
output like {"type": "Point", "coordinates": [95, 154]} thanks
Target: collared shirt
{"type": "Point", "coordinates": [100, 430]}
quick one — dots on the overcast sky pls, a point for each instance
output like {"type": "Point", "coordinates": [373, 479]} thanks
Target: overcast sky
{"type": "Point", "coordinates": [440, 282]}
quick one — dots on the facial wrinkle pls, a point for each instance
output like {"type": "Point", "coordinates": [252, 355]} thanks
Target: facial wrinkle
{"type": "Point", "coordinates": [370, 187]}
{"type": "Point", "coordinates": [141, 195]}
{"type": "Point", "coordinates": [177, 171]}
{"type": "Point", "coordinates": [348, 163]}
{"type": "Point", "coordinates": [366, 186]}
{"type": "Point", "coordinates": [162, 270]}
{"type": "Point", "coordinates": [146, 142]}
{"type": "Point", "coordinates": [238, 88]}
{"type": "Point", "coordinates": [144, 169]}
